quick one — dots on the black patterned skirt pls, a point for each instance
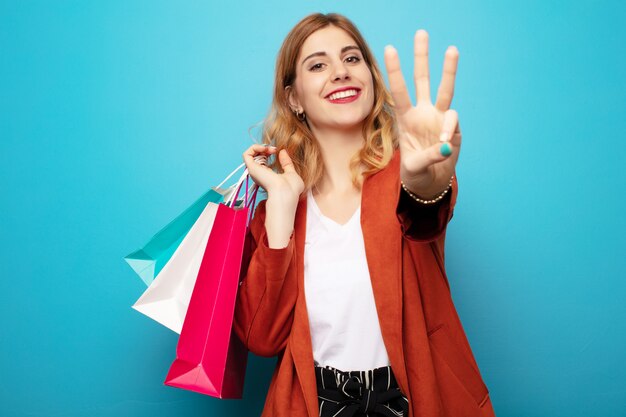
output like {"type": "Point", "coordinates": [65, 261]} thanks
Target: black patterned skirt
{"type": "Point", "coordinates": [359, 393]}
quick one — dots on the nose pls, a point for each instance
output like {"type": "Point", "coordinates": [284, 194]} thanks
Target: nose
{"type": "Point", "coordinates": [340, 72]}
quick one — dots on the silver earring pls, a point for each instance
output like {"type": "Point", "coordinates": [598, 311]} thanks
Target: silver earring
{"type": "Point", "coordinates": [301, 116]}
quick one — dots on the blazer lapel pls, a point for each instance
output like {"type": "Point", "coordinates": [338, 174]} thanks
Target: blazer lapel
{"type": "Point", "coordinates": [383, 249]}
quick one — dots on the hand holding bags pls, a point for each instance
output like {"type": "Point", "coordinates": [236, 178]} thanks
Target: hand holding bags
{"type": "Point", "coordinates": [210, 358]}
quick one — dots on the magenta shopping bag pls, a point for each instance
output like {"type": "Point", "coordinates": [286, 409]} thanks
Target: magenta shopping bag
{"type": "Point", "coordinates": [210, 358]}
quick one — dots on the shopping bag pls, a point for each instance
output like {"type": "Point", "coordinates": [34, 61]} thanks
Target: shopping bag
{"type": "Point", "coordinates": [150, 259]}
{"type": "Point", "coordinates": [210, 358]}
{"type": "Point", "coordinates": [167, 298]}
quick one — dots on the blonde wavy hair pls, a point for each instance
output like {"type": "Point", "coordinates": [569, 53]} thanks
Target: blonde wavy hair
{"type": "Point", "coordinates": [283, 129]}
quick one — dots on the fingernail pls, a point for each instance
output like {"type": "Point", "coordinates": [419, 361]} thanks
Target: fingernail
{"type": "Point", "coordinates": [272, 147]}
{"type": "Point", "coordinates": [445, 149]}
{"type": "Point", "coordinates": [443, 137]}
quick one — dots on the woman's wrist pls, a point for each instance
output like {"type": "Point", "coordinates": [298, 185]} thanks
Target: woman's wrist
{"type": "Point", "coordinates": [279, 222]}
{"type": "Point", "coordinates": [427, 197]}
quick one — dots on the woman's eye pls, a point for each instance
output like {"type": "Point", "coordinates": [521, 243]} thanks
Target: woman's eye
{"type": "Point", "coordinates": [316, 67]}
{"type": "Point", "coordinates": [353, 59]}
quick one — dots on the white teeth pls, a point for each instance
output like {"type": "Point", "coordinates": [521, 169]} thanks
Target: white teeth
{"type": "Point", "coordinates": [342, 94]}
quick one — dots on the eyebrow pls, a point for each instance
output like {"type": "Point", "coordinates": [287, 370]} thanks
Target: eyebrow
{"type": "Point", "coordinates": [344, 49]}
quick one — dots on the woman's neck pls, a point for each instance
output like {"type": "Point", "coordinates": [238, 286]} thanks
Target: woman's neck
{"type": "Point", "coordinates": [337, 148]}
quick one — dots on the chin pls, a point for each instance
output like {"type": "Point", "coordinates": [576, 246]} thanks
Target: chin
{"type": "Point", "coordinates": [345, 121]}
{"type": "Point", "coordinates": [349, 120]}
{"type": "Point", "coordinates": [351, 123]}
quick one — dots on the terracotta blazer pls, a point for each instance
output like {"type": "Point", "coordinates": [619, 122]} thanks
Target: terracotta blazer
{"type": "Point", "coordinates": [425, 341]}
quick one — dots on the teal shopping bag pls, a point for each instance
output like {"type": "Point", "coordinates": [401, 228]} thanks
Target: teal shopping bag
{"type": "Point", "coordinates": [148, 261]}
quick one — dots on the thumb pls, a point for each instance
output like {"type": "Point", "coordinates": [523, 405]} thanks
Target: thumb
{"type": "Point", "coordinates": [285, 161]}
{"type": "Point", "coordinates": [436, 153]}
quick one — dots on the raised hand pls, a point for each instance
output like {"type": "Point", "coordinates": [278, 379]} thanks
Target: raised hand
{"type": "Point", "coordinates": [429, 135]}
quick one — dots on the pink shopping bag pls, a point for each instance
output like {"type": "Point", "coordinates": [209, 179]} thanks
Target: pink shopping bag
{"type": "Point", "coordinates": [210, 358]}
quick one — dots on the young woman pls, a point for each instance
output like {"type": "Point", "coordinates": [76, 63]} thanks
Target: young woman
{"type": "Point", "coordinates": [346, 284]}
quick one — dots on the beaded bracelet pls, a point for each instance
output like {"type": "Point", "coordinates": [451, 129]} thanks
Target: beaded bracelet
{"type": "Point", "coordinates": [434, 200]}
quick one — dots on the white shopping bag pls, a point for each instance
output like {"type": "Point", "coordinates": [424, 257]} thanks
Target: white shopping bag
{"type": "Point", "coordinates": [167, 298]}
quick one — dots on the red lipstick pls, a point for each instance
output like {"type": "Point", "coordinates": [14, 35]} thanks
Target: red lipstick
{"type": "Point", "coordinates": [348, 99]}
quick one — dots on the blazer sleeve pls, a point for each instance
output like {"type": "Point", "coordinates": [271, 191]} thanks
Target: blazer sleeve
{"type": "Point", "coordinates": [425, 222]}
{"type": "Point", "coordinates": [267, 294]}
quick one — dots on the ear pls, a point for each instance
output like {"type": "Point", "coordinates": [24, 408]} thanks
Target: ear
{"type": "Point", "coordinates": [292, 99]}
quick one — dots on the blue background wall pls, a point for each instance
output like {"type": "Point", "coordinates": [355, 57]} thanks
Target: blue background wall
{"type": "Point", "coordinates": [115, 115]}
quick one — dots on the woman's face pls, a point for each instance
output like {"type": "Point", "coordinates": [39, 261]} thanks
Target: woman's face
{"type": "Point", "coordinates": [333, 84]}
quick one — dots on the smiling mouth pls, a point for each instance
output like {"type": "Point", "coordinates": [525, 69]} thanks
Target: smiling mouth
{"type": "Point", "coordinates": [345, 96]}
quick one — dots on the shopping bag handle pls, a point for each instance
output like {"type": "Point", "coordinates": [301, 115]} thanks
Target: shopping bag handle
{"type": "Point", "coordinates": [249, 197]}
{"type": "Point", "coordinates": [259, 159]}
{"type": "Point", "coordinates": [250, 194]}
{"type": "Point", "coordinates": [255, 189]}
{"type": "Point", "coordinates": [231, 174]}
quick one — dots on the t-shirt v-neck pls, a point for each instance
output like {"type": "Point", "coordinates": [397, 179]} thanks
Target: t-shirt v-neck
{"type": "Point", "coordinates": [343, 321]}
{"type": "Point", "coordinates": [327, 221]}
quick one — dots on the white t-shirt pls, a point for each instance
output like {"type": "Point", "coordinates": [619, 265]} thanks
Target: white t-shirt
{"type": "Point", "coordinates": [345, 331]}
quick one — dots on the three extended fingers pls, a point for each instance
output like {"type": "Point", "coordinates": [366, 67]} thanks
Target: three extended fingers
{"type": "Point", "coordinates": [397, 85]}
